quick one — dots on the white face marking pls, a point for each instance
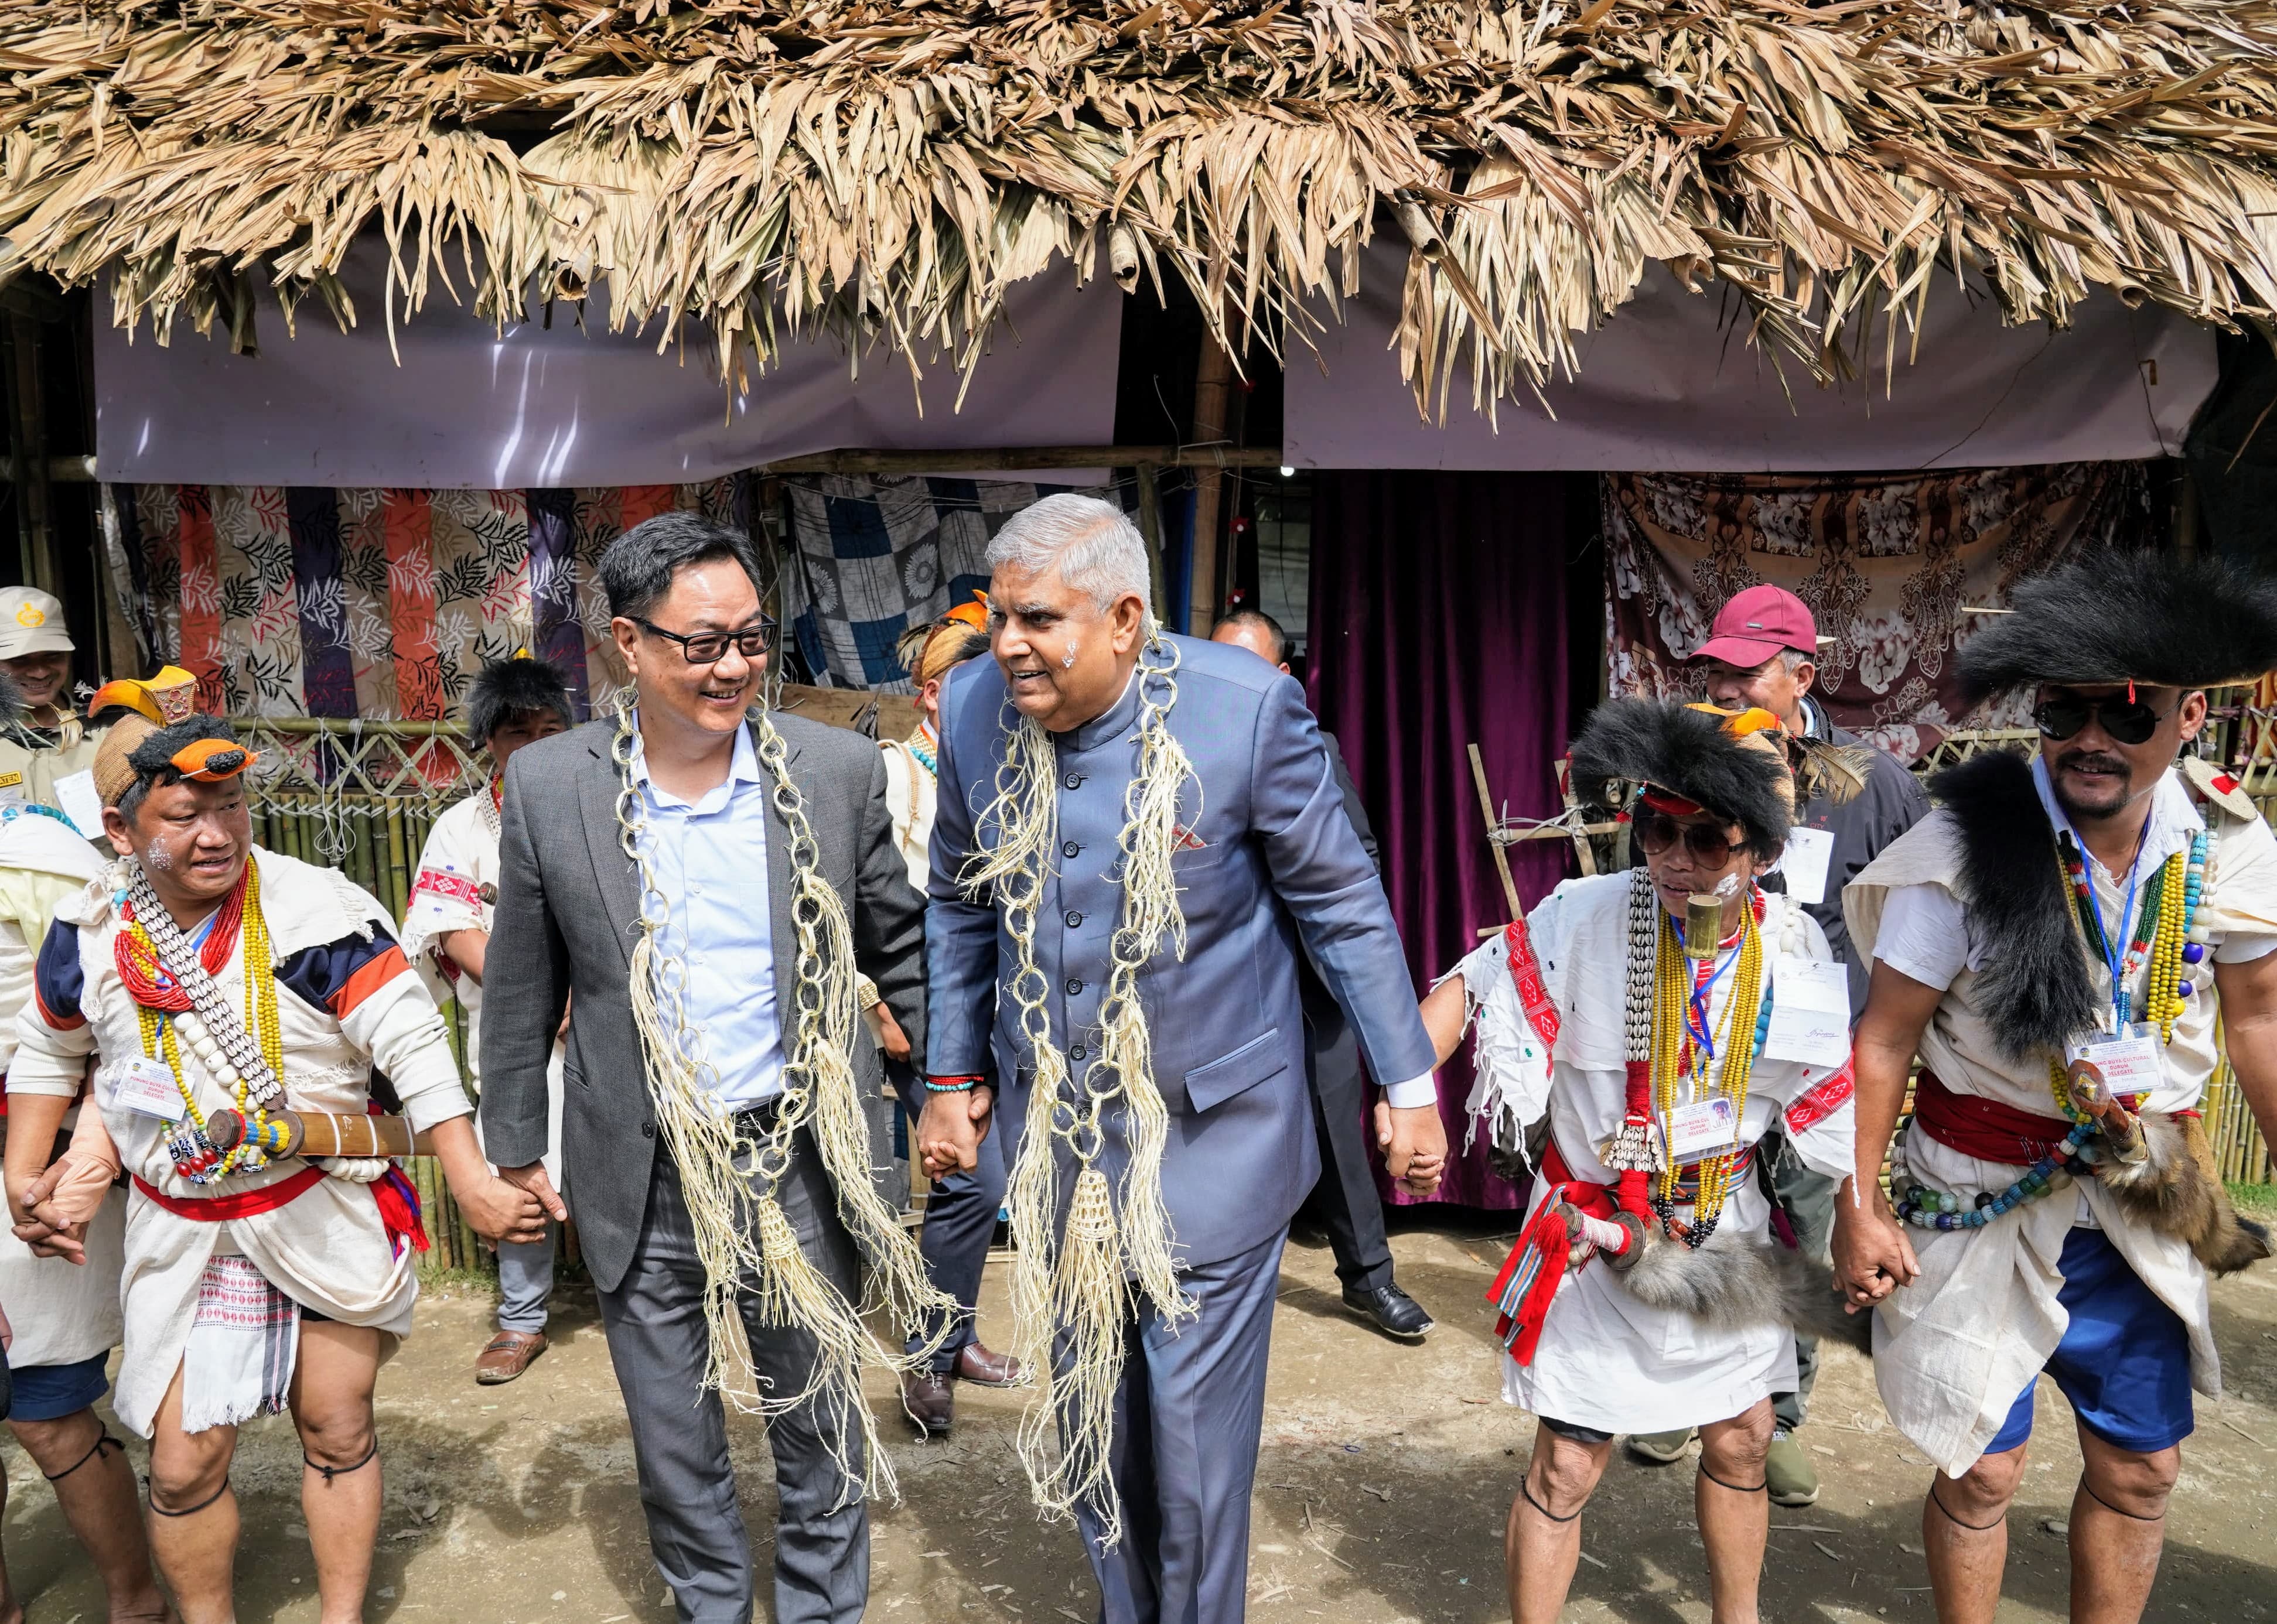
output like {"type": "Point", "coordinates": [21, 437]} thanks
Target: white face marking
{"type": "Point", "coordinates": [1067, 661]}
{"type": "Point", "coordinates": [1727, 886]}
{"type": "Point", "coordinates": [158, 856]}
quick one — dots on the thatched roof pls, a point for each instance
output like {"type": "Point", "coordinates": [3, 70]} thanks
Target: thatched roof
{"type": "Point", "coordinates": [892, 167]}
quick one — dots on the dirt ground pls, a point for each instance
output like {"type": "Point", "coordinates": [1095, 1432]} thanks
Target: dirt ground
{"type": "Point", "coordinates": [1385, 1476]}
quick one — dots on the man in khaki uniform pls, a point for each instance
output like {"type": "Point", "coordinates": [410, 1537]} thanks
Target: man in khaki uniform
{"type": "Point", "coordinates": [49, 741]}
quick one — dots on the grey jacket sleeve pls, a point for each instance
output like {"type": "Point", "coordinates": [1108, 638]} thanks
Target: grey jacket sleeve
{"type": "Point", "coordinates": [1320, 871]}
{"type": "Point", "coordinates": [889, 917]}
{"type": "Point", "coordinates": [524, 990]}
{"type": "Point", "coordinates": [1354, 808]}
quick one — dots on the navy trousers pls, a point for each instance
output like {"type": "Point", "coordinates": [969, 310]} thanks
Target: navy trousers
{"type": "Point", "coordinates": [1187, 1418]}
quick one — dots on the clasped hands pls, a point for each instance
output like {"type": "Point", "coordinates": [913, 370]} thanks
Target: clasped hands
{"type": "Point", "coordinates": [1872, 1256]}
{"type": "Point", "coordinates": [953, 1124]}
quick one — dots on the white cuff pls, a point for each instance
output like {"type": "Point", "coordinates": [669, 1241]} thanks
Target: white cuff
{"type": "Point", "coordinates": [1415, 1091]}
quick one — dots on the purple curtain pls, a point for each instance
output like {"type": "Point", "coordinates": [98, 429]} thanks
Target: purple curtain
{"type": "Point", "coordinates": [1438, 620]}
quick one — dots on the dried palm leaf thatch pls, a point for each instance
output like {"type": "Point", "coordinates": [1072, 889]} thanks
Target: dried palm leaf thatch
{"type": "Point", "coordinates": [888, 170]}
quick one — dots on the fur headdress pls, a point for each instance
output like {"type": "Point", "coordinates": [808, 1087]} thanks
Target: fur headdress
{"type": "Point", "coordinates": [2128, 616]}
{"type": "Point", "coordinates": [503, 690]}
{"type": "Point", "coordinates": [1688, 751]}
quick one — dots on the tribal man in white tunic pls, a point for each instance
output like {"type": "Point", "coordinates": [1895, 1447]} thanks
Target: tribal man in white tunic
{"type": "Point", "coordinates": [2059, 944]}
{"type": "Point", "coordinates": [1650, 1291]}
{"type": "Point", "coordinates": [228, 996]}
{"type": "Point", "coordinates": [510, 703]}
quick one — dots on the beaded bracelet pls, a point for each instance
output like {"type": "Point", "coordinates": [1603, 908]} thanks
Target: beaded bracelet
{"type": "Point", "coordinates": [951, 1085]}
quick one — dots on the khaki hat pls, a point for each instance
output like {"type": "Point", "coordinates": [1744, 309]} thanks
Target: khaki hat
{"type": "Point", "coordinates": [32, 622]}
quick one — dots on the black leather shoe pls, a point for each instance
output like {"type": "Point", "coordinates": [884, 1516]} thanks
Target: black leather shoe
{"type": "Point", "coordinates": [1392, 1310]}
{"type": "Point", "coordinates": [930, 1401]}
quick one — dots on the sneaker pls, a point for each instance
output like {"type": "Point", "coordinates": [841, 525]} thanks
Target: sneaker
{"type": "Point", "coordinates": [1661, 1448]}
{"type": "Point", "coordinates": [1788, 1473]}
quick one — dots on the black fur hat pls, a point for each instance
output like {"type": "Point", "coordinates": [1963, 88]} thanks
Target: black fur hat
{"type": "Point", "coordinates": [1670, 745]}
{"type": "Point", "coordinates": [505, 688]}
{"type": "Point", "coordinates": [2128, 616]}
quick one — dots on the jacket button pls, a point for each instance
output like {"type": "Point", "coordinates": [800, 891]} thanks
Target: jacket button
{"type": "Point", "coordinates": [1075, 922]}
{"type": "Point", "coordinates": [1071, 850]}
{"type": "Point", "coordinates": [648, 1130]}
{"type": "Point", "coordinates": [1077, 1051]}
{"type": "Point", "coordinates": [1073, 986]}
{"type": "Point", "coordinates": [1075, 780]}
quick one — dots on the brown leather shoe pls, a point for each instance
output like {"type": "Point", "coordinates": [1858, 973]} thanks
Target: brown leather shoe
{"type": "Point", "coordinates": [929, 1401]}
{"type": "Point", "coordinates": [975, 1364]}
{"type": "Point", "coordinates": [506, 1355]}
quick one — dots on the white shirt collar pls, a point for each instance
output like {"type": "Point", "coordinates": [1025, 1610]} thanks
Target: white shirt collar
{"type": "Point", "coordinates": [2174, 823]}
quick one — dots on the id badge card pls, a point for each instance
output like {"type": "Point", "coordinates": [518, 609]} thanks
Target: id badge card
{"type": "Point", "coordinates": [1702, 1128]}
{"type": "Point", "coordinates": [2130, 1060]}
{"type": "Point", "coordinates": [148, 1086]}
{"type": "Point", "coordinates": [1811, 1013]}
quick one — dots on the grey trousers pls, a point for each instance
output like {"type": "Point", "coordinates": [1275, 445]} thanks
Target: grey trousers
{"type": "Point", "coordinates": [1808, 1199]}
{"type": "Point", "coordinates": [960, 1220]}
{"type": "Point", "coordinates": [657, 1340]}
{"type": "Point", "coordinates": [1187, 1418]}
{"type": "Point", "coordinates": [526, 1280]}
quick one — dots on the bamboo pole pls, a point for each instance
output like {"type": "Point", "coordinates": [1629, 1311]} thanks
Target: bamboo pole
{"type": "Point", "coordinates": [1150, 527]}
{"type": "Point", "coordinates": [1501, 857]}
{"type": "Point", "coordinates": [1201, 454]}
{"type": "Point", "coordinates": [1213, 411]}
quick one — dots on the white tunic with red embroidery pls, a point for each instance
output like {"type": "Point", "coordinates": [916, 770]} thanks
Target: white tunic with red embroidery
{"type": "Point", "coordinates": [1606, 1360]}
{"type": "Point", "coordinates": [347, 1000]}
{"type": "Point", "coordinates": [458, 876]}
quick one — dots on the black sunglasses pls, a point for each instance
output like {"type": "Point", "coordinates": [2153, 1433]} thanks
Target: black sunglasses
{"type": "Point", "coordinates": [1656, 831]}
{"type": "Point", "coordinates": [2128, 721]}
{"type": "Point", "coordinates": [709, 647]}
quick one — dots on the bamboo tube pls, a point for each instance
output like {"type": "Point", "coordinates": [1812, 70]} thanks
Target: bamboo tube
{"type": "Point", "coordinates": [321, 1133]}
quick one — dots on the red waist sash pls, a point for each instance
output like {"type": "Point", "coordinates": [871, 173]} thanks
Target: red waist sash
{"type": "Point", "coordinates": [1528, 1280]}
{"type": "Point", "coordinates": [239, 1204]}
{"type": "Point", "coordinates": [398, 1200]}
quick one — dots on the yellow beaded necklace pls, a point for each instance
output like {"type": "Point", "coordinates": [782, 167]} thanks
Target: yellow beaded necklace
{"type": "Point", "coordinates": [1673, 987]}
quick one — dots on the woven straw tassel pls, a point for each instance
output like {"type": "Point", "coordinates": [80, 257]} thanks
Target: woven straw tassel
{"type": "Point", "coordinates": [1091, 1303]}
{"type": "Point", "coordinates": [790, 1292]}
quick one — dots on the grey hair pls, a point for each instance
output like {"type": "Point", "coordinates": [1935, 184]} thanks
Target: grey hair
{"type": "Point", "coordinates": [1791, 658]}
{"type": "Point", "coordinates": [1096, 549]}
{"type": "Point", "coordinates": [638, 567]}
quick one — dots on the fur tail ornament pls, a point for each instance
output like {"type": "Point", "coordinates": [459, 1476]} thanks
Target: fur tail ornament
{"type": "Point", "coordinates": [1731, 1287]}
{"type": "Point", "coordinates": [2176, 1188]}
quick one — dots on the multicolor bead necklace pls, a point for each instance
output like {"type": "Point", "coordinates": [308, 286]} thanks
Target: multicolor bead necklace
{"type": "Point", "coordinates": [167, 1013]}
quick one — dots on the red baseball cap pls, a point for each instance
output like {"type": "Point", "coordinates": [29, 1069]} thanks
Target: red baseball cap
{"type": "Point", "coordinates": [1756, 624]}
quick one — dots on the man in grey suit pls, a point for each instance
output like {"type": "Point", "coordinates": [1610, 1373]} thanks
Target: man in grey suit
{"type": "Point", "coordinates": [1263, 857]}
{"type": "Point", "coordinates": [1344, 1200]}
{"type": "Point", "coordinates": [723, 860]}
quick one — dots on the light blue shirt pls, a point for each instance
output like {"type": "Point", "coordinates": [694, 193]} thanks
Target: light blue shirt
{"type": "Point", "coordinates": [709, 861]}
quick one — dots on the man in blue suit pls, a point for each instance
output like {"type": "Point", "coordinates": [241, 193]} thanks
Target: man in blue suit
{"type": "Point", "coordinates": [1089, 716]}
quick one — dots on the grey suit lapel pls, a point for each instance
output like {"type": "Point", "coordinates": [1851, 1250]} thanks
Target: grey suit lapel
{"type": "Point", "coordinates": [596, 804]}
{"type": "Point", "coordinates": [782, 927]}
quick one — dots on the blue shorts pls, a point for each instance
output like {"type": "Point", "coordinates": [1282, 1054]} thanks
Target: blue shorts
{"type": "Point", "coordinates": [52, 1392]}
{"type": "Point", "coordinates": [2124, 1362]}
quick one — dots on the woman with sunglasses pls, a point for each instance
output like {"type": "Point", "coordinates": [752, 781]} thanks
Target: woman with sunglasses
{"type": "Point", "coordinates": [2068, 945]}
{"type": "Point", "coordinates": [1641, 1013]}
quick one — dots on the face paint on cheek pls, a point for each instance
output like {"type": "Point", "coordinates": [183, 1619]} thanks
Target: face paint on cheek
{"type": "Point", "coordinates": [1067, 660]}
{"type": "Point", "coordinates": [159, 855]}
{"type": "Point", "coordinates": [1728, 885]}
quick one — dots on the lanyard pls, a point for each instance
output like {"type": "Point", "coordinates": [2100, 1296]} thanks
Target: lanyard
{"type": "Point", "coordinates": [2112, 957]}
{"type": "Point", "coordinates": [1695, 1011]}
